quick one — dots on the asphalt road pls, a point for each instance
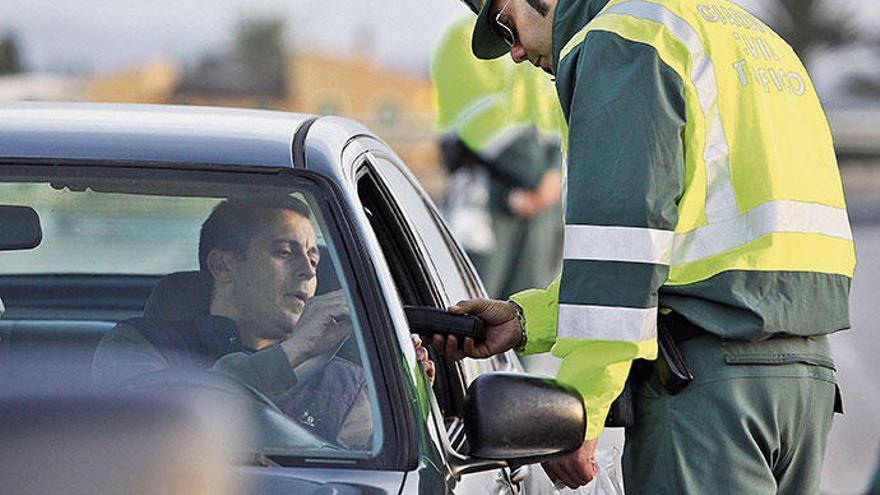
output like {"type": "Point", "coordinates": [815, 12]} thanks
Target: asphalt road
{"type": "Point", "coordinates": [854, 446]}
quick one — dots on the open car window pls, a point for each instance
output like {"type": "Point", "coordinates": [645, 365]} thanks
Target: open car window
{"type": "Point", "coordinates": [392, 213]}
{"type": "Point", "coordinates": [123, 291]}
{"type": "Point", "coordinates": [427, 226]}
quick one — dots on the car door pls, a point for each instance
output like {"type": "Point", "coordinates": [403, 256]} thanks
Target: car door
{"type": "Point", "coordinates": [449, 277]}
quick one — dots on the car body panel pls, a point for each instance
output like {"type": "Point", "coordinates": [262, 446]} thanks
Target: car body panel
{"type": "Point", "coordinates": [305, 480]}
{"type": "Point", "coordinates": [148, 133]}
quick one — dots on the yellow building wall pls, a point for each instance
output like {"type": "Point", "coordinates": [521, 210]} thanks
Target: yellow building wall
{"type": "Point", "coordinates": [151, 83]}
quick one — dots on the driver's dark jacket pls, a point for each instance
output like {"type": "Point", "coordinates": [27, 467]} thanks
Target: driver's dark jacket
{"type": "Point", "coordinates": [333, 403]}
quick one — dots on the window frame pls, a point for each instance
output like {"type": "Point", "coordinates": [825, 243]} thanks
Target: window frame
{"type": "Point", "coordinates": [449, 378]}
{"type": "Point", "coordinates": [468, 369]}
{"type": "Point", "coordinates": [464, 269]}
{"type": "Point", "coordinates": [501, 362]}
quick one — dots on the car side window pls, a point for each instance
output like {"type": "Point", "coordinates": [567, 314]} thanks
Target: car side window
{"type": "Point", "coordinates": [424, 222]}
{"type": "Point", "coordinates": [410, 272]}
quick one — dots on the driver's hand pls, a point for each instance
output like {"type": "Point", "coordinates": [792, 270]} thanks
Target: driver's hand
{"type": "Point", "coordinates": [424, 360]}
{"type": "Point", "coordinates": [502, 330]}
{"type": "Point", "coordinates": [325, 322]}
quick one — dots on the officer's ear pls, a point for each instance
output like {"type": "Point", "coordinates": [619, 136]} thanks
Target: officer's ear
{"type": "Point", "coordinates": [221, 266]}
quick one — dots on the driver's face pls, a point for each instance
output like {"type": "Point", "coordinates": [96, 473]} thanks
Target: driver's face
{"type": "Point", "coordinates": [276, 277]}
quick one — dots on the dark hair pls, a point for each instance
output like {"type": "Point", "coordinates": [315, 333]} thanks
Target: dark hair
{"type": "Point", "coordinates": [541, 6]}
{"type": "Point", "coordinates": [234, 222]}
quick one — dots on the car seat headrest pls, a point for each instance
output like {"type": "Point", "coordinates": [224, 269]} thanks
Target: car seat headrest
{"type": "Point", "coordinates": [179, 296]}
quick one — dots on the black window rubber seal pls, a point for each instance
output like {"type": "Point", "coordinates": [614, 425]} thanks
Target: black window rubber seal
{"type": "Point", "coordinates": [299, 141]}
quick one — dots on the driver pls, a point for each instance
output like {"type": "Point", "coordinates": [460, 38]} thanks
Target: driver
{"type": "Point", "coordinates": [259, 257]}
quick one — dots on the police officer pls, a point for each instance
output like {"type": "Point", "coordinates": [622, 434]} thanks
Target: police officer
{"type": "Point", "coordinates": [702, 191]}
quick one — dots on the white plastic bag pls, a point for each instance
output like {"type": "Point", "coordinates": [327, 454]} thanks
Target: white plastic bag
{"type": "Point", "coordinates": [608, 481]}
{"type": "Point", "coordinates": [467, 209]}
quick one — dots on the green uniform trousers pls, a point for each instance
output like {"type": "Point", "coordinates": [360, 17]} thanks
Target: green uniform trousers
{"type": "Point", "coordinates": [754, 421]}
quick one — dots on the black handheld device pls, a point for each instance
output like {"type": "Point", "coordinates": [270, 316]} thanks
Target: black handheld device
{"type": "Point", "coordinates": [428, 321]}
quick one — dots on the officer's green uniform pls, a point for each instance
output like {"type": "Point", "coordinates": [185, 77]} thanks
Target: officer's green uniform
{"type": "Point", "coordinates": [509, 116]}
{"type": "Point", "coordinates": [701, 180]}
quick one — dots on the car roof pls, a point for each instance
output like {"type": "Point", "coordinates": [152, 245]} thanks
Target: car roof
{"type": "Point", "coordinates": [184, 135]}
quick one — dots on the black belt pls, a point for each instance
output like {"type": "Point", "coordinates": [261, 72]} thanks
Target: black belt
{"type": "Point", "coordinates": [680, 329]}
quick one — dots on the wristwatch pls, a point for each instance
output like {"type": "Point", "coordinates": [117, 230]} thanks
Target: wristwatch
{"type": "Point", "coordinates": [521, 321]}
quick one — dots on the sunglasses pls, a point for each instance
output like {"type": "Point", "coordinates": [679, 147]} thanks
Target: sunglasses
{"type": "Point", "coordinates": [502, 30]}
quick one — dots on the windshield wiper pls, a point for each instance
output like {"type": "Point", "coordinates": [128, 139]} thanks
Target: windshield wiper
{"type": "Point", "coordinates": [255, 459]}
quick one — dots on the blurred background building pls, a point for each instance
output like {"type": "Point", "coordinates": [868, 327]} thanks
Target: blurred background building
{"type": "Point", "coordinates": [260, 70]}
{"type": "Point", "coordinates": [369, 60]}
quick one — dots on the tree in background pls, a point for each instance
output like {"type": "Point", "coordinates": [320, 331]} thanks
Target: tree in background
{"type": "Point", "coordinates": [260, 47]}
{"type": "Point", "coordinates": [811, 25]}
{"type": "Point", "coordinates": [252, 70]}
{"type": "Point", "coordinates": [864, 85]}
{"type": "Point", "coordinates": [10, 58]}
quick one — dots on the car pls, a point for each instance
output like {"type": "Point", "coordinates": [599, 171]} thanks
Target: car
{"type": "Point", "coordinates": [102, 207]}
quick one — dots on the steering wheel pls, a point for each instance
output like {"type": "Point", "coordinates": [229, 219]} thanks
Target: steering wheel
{"type": "Point", "coordinates": [310, 368]}
{"type": "Point", "coordinates": [273, 428]}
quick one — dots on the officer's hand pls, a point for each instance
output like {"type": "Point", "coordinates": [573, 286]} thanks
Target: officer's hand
{"type": "Point", "coordinates": [550, 189]}
{"type": "Point", "coordinates": [502, 330]}
{"type": "Point", "coordinates": [575, 469]}
{"type": "Point", "coordinates": [324, 323]}
{"type": "Point", "coordinates": [524, 204]}
{"type": "Point", "coordinates": [527, 204]}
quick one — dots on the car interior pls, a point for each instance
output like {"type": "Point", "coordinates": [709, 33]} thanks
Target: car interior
{"type": "Point", "coordinates": [52, 325]}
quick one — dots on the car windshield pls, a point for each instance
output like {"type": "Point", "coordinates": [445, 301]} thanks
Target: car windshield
{"type": "Point", "coordinates": [150, 279]}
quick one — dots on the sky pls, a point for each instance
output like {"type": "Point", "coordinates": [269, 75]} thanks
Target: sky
{"type": "Point", "coordinates": [105, 35]}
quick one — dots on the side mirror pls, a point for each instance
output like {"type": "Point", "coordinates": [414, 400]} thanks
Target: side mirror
{"type": "Point", "coordinates": [19, 228]}
{"type": "Point", "coordinates": [516, 419]}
